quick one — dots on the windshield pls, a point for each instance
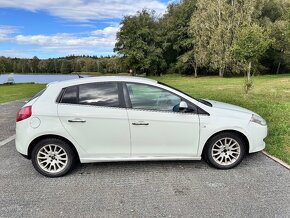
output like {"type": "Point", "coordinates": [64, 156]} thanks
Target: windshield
{"type": "Point", "coordinates": [161, 83]}
{"type": "Point", "coordinates": [197, 99]}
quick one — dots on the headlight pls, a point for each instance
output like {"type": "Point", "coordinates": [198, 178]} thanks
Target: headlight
{"type": "Point", "coordinates": [257, 119]}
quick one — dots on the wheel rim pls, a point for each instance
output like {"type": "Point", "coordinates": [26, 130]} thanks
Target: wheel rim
{"type": "Point", "coordinates": [52, 158]}
{"type": "Point", "coordinates": [226, 151]}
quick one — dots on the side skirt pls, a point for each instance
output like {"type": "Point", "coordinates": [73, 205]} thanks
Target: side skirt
{"type": "Point", "coordinates": [122, 159]}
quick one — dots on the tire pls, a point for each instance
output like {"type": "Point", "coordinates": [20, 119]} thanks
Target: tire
{"type": "Point", "coordinates": [225, 150]}
{"type": "Point", "coordinates": [52, 157]}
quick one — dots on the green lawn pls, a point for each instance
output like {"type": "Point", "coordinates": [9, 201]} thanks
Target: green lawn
{"type": "Point", "coordinates": [270, 97]}
{"type": "Point", "coordinates": [19, 91]}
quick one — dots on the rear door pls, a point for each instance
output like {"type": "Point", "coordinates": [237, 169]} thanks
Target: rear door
{"type": "Point", "coordinates": [94, 116]}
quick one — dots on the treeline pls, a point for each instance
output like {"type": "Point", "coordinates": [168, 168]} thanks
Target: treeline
{"type": "Point", "coordinates": [220, 37]}
{"type": "Point", "coordinates": [194, 37]}
{"type": "Point", "coordinates": [64, 65]}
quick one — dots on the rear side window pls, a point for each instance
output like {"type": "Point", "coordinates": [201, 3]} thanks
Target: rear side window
{"type": "Point", "coordinates": [99, 94]}
{"type": "Point", "coordinates": [70, 95]}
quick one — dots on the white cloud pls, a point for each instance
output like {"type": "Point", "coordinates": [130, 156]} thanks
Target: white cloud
{"type": "Point", "coordinates": [6, 31]}
{"type": "Point", "coordinates": [108, 31]}
{"type": "Point", "coordinates": [16, 53]}
{"type": "Point", "coordinates": [100, 41]}
{"type": "Point", "coordinates": [63, 40]}
{"type": "Point", "coordinates": [100, 38]}
{"type": "Point", "coordinates": [85, 10]}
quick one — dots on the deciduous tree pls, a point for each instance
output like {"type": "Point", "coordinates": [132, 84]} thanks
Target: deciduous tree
{"type": "Point", "coordinates": [138, 43]}
{"type": "Point", "coordinates": [250, 43]}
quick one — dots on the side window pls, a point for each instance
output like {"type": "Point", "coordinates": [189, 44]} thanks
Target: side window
{"type": "Point", "coordinates": [99, 94]}
{"type": "Point", "coordinates": [70, 95]}
{"type": "Point", "coordinates": [152, 98]}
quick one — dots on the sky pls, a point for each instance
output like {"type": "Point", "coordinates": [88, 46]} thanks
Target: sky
{"type": "Point", "coordinates": [56, 28]}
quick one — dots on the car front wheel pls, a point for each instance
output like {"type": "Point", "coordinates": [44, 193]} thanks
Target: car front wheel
{"type": "Point", "coordinates": [52, 157]}
{"type": "Point", "coordinates": [225, 150]}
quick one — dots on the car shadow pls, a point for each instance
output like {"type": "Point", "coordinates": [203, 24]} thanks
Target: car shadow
{"type": "Point", "coordinates": [156, 166]}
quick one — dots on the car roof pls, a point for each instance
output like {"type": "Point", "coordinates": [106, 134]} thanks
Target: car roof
{"type": "Point", "coordinates": [103, 79]}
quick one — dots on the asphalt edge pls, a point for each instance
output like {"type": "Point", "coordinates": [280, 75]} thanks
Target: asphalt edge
{"type": "Point", "coordinates": [277, 160]}
{"type": "Point", "coordinates": [15, 101]}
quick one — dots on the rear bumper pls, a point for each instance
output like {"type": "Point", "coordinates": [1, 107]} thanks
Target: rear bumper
{"type": "Point", "coordinates": [22, 139]}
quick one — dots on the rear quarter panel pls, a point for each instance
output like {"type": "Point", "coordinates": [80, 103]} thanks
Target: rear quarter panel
{"type": "Point", "coordinates": [45, 109]}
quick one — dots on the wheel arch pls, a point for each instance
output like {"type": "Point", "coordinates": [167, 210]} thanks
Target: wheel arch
{"type": "Point", "coordinates": [39, 138]}
{"type": "Point", "coordinates": [242, 135]}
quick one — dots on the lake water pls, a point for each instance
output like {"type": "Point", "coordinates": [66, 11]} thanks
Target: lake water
{"type": "Point", "coordinates": [37, 78]}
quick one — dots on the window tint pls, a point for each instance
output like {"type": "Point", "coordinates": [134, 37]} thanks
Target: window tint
{"type": "Point", "coordinates": [152, 98]}
{"type": "Point", "coordinates": [70, 95]}
{"type": "Point", "coordinates": [99, 94]}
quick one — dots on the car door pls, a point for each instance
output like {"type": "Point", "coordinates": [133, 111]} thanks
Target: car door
{"type": "Point", "coordinates": [93, 115]}
{"type": "Point", "coordinates": [157, 127]}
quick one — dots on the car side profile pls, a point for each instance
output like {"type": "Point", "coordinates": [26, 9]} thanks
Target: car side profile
{"type": "Point", "coordinates": [101, 119]}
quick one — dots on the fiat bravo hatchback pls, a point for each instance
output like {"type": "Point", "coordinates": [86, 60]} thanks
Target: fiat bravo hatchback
{"type": "Point", "coordinates": [102, 119]}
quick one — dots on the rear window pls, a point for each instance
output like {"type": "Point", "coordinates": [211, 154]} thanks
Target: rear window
{"type": "Point", "coordinates": [70, 95]}
{"type": "Point", "coordinates": [98, 94]}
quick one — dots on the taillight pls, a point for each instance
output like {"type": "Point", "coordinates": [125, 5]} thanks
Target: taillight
{"type": "Point", "coordinates": [24, 113]}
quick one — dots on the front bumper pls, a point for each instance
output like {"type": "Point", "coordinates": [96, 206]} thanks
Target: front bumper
{"type": "Point", "coordinates": [257, 133]}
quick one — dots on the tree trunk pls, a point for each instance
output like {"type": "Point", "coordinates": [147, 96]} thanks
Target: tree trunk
{"type": "Point", "coordinates": [248, 82]}
{"type": "Point", "coordinates": [98, 66]}
{"type": "Point", "coordinates": [249, 72]}
{"type": "Point", "coordinates": [278, 68]}
{"type": "Point", "coordinates": [221, 72]}
{"type": "Point", "coordinates": [195, 70]}
{"type": "Point", "coordinates": [219, 10]}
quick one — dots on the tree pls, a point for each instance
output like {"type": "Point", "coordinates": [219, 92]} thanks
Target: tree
{"type": "Point", "coordinates": [43, 66]}
{"type": "Point", "coordinates": [214, 26]}
{"type": "Point", "coordinates": [176, 40]}
{"type": "Point", "coordinates": [65, 67]}
{"type": "Point", "coordinates": [251, 42]}
{"type": "Point", "coordinates": [33, 63]}
{"type": "Point", "coordinates": [138, 43]}
{"type": "Point", "coordinates": [282, 43]}
{"type": "Point", "coordinates": [2, 66]}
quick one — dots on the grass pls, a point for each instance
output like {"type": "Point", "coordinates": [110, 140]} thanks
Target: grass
{"type": "Point", "coordinates": [270, 97]}
{"type": "Point", "coordinates": [19, 91]}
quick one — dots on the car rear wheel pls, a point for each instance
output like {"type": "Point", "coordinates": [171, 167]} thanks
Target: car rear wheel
{"type": "Point", "coordinates": [52, 157]}
{"type": "Point", "coordinates": [225, 150]}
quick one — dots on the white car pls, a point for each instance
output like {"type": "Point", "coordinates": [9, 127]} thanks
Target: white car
{"type": "Point", "coordinates": [100, 119]}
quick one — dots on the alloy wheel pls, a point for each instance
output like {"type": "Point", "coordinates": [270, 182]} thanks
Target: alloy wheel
{"type": "Point", "coordinates": [226, 151]}
{"type": "Point", "coordinates": [52, 158]}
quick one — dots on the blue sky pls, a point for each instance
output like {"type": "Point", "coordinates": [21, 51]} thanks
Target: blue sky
{"type": "Point", "coordinates": [53, 28]}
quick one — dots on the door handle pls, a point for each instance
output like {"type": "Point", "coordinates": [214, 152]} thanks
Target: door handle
{"type": "Point", "coordinates": [76, 120]}
{"type": "Point", "coordinates": [140, 124]}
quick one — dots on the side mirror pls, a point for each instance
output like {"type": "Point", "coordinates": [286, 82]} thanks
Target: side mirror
{"type": "Point", "coordinates": [183, 106]}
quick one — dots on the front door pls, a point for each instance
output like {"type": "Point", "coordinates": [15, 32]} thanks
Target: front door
{"type": "Point", "coordinates": [157, 128]}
